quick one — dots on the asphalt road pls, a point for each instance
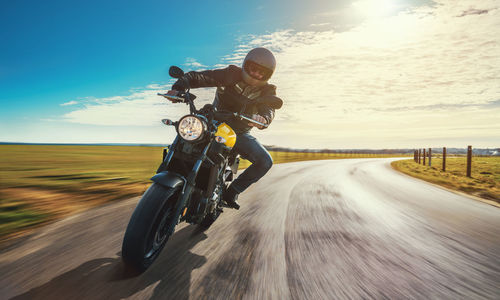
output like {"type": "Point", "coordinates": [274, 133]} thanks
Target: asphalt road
{"type": "Point", "coordinates": [343, 229]}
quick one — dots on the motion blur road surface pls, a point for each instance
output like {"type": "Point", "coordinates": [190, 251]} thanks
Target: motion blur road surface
{"type": "Point", "coordinates": [338, 229]}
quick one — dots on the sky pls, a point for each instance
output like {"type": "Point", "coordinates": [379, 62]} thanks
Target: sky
{"type": "Point", "coordinates": [352, 74]}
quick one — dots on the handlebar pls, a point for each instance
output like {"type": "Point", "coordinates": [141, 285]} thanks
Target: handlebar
{"type": "Point", "coordinates": [250, 120]}
{"type": "Point", "coordinates": [221, 114]}
{"type": "Point", "coordinates": [182, 98]}
{"type": "Point", "coordinates": [172, 98]}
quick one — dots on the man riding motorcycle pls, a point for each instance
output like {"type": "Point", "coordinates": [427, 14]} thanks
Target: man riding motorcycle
{"type": "Point", "coordinates": [238, 90]}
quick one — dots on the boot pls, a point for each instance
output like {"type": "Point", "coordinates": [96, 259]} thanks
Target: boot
{"type": "Point", "coordinates": [230, 196]}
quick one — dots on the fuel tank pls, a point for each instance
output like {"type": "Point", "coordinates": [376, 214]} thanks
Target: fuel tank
{"type": "Point", "coordinates": [227, 133]}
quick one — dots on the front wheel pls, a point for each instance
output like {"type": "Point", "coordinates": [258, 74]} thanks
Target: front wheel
{"type": "Point", "coordinates": [150, 226]}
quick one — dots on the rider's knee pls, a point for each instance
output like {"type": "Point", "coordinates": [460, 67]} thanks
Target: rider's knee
{"type": "Point", "coordinates": [266, 162]}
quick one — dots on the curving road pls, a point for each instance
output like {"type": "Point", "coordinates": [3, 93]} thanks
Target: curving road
{"type": "Point", "coordinates": [343, 229]}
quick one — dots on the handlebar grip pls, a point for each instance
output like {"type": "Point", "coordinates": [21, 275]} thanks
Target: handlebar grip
{"type": "Point", "coordinates": [172, 97]}
{"type": "Point", "coordinates": [253, 121]}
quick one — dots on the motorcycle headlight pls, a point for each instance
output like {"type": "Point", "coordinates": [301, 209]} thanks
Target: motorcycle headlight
{"type": "Point", "coordinates": [191, 128]}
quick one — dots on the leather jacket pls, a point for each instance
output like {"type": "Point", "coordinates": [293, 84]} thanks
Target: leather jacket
{"type": "Point", "coordinates": [232, 94]}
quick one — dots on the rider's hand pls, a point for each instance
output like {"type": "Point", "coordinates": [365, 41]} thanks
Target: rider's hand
{"type": "Point", "coordinates": [173, 93]}
{"type": "Point", "coordinates": [258, 118]}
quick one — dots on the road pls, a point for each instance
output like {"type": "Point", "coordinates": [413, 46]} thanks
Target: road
{"type": "Point", "coordinates": [339, 229]}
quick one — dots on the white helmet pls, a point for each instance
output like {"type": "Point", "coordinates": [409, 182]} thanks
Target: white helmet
{"type": "Point", "coordinates": [260, 61]}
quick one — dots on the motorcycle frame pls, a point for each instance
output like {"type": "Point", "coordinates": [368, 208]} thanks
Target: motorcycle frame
{"type": "Point", "coordinates": [190, 179]}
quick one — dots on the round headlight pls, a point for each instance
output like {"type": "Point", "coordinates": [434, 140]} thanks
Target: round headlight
{"type": "Point", "coordinates": [191, 128]}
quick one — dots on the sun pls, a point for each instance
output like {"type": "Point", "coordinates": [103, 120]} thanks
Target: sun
{"type": "Point", "coordinates": [375, 8]}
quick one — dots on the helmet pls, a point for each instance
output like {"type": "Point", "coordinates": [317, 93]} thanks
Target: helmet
{"type": "Point", "coordinates": [258, 66]}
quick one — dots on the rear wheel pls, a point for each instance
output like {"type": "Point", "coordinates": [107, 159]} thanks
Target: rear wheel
{"type": "Point", "coordinates": [210, 219]}
{"type": "Point", "coordinates": [150, 226]}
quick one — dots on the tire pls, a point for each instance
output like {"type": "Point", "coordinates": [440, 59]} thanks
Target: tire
{"type": "Point", "coordinates": [209, 220]}
{"type": "Point", "coordinates": [150, 227]}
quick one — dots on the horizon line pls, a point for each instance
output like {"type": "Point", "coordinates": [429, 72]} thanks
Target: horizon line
{"type": "Point", "coordinates": [267, 146]}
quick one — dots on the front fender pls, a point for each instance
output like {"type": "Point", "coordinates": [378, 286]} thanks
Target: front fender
{"type": "Point", "coordinates": [169, 179]}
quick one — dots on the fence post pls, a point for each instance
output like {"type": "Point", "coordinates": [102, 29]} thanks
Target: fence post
{"type": "Point", "coordinates": [444, 159]}
{"type": "Point", "coordinates": [415, 155]}
{"type": "Point", "coordinates": [430, 155]}
{"type": "Point", "coordinates": [423, 156]}
{"type": "Point", "coordinates": [418, 156]}
{"type": "Point", "coordinates": [469, 160]}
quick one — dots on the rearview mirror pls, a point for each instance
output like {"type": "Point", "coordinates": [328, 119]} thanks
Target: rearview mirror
{"type": "Point", "coordinates": [271, 101]}
{"type": "Point", "coordinates": [175, 72]}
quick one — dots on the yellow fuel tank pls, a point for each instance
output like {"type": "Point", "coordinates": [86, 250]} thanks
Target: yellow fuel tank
{"type": "Point", "coordinates": [227, 133]}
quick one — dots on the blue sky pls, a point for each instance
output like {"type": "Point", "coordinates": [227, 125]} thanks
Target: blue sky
{"type": "Point", "coordinates": [72, 71]}
{"type": "Point", "coordinates": [57, 50]}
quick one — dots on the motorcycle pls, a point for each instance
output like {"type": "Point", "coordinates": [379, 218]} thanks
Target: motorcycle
{"type": "Point", "coordinates": [188, 186]}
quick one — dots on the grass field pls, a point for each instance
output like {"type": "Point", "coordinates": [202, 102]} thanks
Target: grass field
{"type": "Point", "coordinates": [484, 183]}
{"type": "Point", "coordinates": [284, 157]}
{"type": "Point", "coordinates": [39, 184]}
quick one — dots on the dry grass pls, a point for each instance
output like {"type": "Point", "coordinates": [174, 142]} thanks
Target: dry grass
{"type": "Point", "coordinates": [484, 183]}
{"type": "Point", "coordinates": [284, 157]}
{"type": "Point", "coordinates": [39, 184]}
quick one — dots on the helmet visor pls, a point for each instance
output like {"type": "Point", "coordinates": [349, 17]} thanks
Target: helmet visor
{"type": "Point", "coordinates": [257, 71]}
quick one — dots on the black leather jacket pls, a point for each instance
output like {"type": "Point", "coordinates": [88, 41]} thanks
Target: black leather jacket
{"type": "Point", "coordinates": [232, 93]}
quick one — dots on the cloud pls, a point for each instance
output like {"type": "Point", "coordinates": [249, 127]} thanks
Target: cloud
{"type": "Point", "coordinates": [69, 103]}
{"type": "Point", "coordinates": [320, 24]}
{"type": "Point", "coordinates": [420, 75]}
{"type": "Point", "coordinates": [142, 107]}
{"type": "Point", "coordinates": [473, 11]}
{"type": "Point", "coordinates": [219, 66]}
{"type": "Point", "coordinates": [191, 62]}
{"type": "Point", "coordinates": [422, 64]}
{"type": "Point", "coordinates": [441, 107]}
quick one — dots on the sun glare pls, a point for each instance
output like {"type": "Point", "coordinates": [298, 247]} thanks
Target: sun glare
{"type": "Point", "coordinates": [375, 8]}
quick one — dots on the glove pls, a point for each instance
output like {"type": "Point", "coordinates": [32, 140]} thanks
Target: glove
{"type": "Point", "coordinates": [180, 85]}
{"type": "Point", "coordinates": [173, 93]}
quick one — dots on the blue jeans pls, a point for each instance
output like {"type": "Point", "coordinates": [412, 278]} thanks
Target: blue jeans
{"type": "Point", "coordinates": [249, 148]}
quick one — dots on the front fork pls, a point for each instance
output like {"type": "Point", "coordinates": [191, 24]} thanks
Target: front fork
{"type": "Point", "coordinates": [168, 157]}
